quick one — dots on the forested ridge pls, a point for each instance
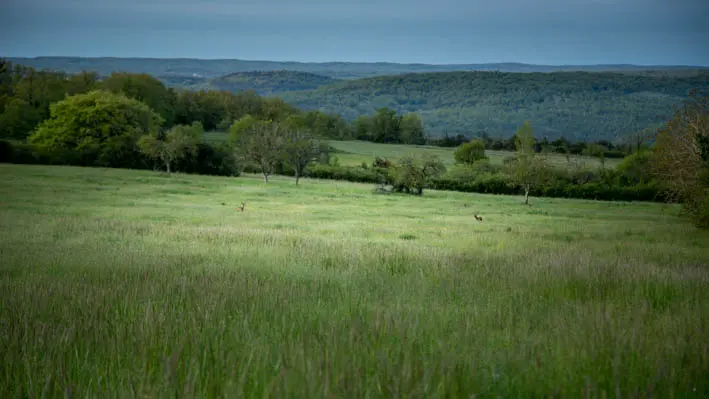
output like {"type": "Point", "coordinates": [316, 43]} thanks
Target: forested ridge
{"type": "Point", "coordinates": [268, 82]}
{"type": "Point", "coordinates": [579, 106]}
{"type": "Point", "coordinates": [207, 69]}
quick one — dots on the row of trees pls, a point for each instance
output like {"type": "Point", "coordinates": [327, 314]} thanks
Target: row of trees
{"type": "Point", "coordinates": [26, 96]}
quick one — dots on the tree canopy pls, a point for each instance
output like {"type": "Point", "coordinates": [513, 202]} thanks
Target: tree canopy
{"type": "Point", "coordinates": [96, 125]}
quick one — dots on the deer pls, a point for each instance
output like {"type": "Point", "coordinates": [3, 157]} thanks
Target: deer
{"type": "Point", "coordinates": [241, 208]}
{"type": "Point", "coordinates": [478, 218]}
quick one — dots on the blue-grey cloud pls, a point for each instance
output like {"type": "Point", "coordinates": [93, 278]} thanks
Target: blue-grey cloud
{"type": "Point", "coordinates": [437, 31]}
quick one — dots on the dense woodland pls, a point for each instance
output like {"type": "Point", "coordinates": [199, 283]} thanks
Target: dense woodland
{"type": "Point", "coordinates": [578, 106]}
{"type": "Point", "coordinates": [575, 104]}
{"type": "Point", "coordinates": [135, 121]}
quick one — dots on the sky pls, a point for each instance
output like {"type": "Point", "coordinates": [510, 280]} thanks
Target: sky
{"type": "Point", "coordinates": [551, 32]}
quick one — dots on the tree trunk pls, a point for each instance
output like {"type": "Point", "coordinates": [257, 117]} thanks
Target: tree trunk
{"type": "Point", "coordinates": [167, 164]}
{"type": "Point", "coordinates": [297, 176]}
{"type": "Point", "coordinates": [526, 195]}
{"type": "Point", "coordinates": [265, 178]}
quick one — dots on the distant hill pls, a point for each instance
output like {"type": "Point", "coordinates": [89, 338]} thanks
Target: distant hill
{"type": "Point", "coordinates": [577, 102]}
{"type": "Point", "coordinates": [209, 69]}
{"type": "Point", "coordinates": [576, 105]}
{"type": "Point", "coordinates": [269, 82]}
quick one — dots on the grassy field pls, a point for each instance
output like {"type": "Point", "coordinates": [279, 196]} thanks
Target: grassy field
{"type": "Point", "coordinates": [353, 153]}
{"type": "Point", "coordinates": [356, 152]}
{"type": "Point", "coordinates": [117, 283]}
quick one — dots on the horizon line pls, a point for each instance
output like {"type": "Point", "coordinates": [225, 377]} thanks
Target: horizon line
{"type": "Point", "coordinates": [365, 62]}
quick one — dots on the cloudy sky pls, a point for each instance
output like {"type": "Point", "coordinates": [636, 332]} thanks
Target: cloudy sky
{"type": "Point", "coordinates": [668, 32]}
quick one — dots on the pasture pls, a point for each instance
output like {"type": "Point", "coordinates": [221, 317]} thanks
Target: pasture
{"type": "Point", "coordinates": [354, 153]}
{"type": "Point", "coordinates": [118, 283]}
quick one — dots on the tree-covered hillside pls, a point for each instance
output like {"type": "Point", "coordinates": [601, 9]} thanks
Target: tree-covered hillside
{"type": "Point", "coordinates": [269, 82]}
{"type": "Point", "coordinates": [575, 105]}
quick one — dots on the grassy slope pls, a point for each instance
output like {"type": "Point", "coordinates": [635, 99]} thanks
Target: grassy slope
{"type": "Point", "coordinates": [353, 153]}
{"type": "Point", "coordinates": [356, 152]}
{"type": "Point", "coordinates": [118, 282]}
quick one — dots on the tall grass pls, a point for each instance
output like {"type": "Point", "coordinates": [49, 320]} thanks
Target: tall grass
{"type": "Point", "coordinates": [118, 283]}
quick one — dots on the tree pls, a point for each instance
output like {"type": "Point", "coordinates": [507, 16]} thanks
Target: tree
{"type": "Point", "coordinates": [411, 130]}
{"type": "Point", "coordinates": [470, 152]}
{"type": "Point", "coordinates": [681, 157]}
{"type": "Point", "coordinates": [18, 120]}
{"type": "Point", "coordinates": [362, 127]}
{"type": "Point", "coordinates": [177, 143]}
{"type": "Point", "coordinates": [146, 89]}
{"type": "Point", "coordinates": [636, 168]}
{"type": "Point", "coordinates": [262, 144]}
{"type": "Point", "coordinates": [527, 168]}
{"type": "Point", "coordinates": [385, 126]}
{"type": "Point", "coordinates": [413, 174]}
{"type": "Point", "coordinates": [242, 127]}
{"type": "Point", "coordinates": [95, 128]}
{"type": "Point", "coordinates": [299, 149]}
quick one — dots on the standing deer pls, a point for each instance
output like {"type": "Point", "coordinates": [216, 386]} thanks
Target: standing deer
{"type": "Point", "coordinates": [478, 218]}
{"type": "Point", "coordinates": [241, 208]}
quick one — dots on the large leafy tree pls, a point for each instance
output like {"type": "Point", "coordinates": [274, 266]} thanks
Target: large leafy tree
{"type": "Point", "coordinates": [96, 128]}
{"type": "Point", "coordinates": [146, 89]}
{"type": "Point", "coordinates": [527, 168]}
{"type": "Point", "coordinates": [173, 145]}
{"type": "Point", "coordinates": [681, 157]}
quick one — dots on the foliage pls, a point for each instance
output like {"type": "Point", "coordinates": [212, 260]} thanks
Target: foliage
{"type": "Point", "coordinates": [269, 82]}
{"type": "Point", "coordinates": [527, 168]}
{"type": "Point", "coordinates": [636, 168]}
{"type": "Point", "coordinates": [145, 89]}
{"type": "Point", "coordinates": [579, 106]}
{"type": "Point", "coordinates": [681, 158]}
{"type": "Point", "coordinates": [470, 152]}
{"type": "Point", "coordinates": [300, 149]}
{"type": "Point", "coordinates": [262, 144]}
{"type": "Point", "coordinates": [385, 126]}
{"type": "Point", "coordinates": [18, 119]}
{"type": "Point", "coordinates": [97, 128]}
{"type": "Point", "coordinates": [413, 174]}
{"type": "Point", "coordinates": [177, 143]}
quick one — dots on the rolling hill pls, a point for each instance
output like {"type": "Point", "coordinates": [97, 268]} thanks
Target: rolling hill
{"type": "Point", "coordinates": [576, 105]}
{"type": "Point", "coordinates": [209, 69]}
{"type": "Point", "coordinates": [580, 103]}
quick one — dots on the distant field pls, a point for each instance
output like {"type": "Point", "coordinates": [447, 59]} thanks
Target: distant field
{"type": "Point", "coordinates": [363, 151]}
{"type": "Point", "coordinates": [353, 153]}
{"type": "Point", "coordinates": [117, 283]}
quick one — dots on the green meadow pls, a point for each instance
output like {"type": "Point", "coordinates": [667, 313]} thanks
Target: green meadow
{"type": "Point", "coordinates": [119, 283]}
{"type": "Point", "coordinates": [354, 153]}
